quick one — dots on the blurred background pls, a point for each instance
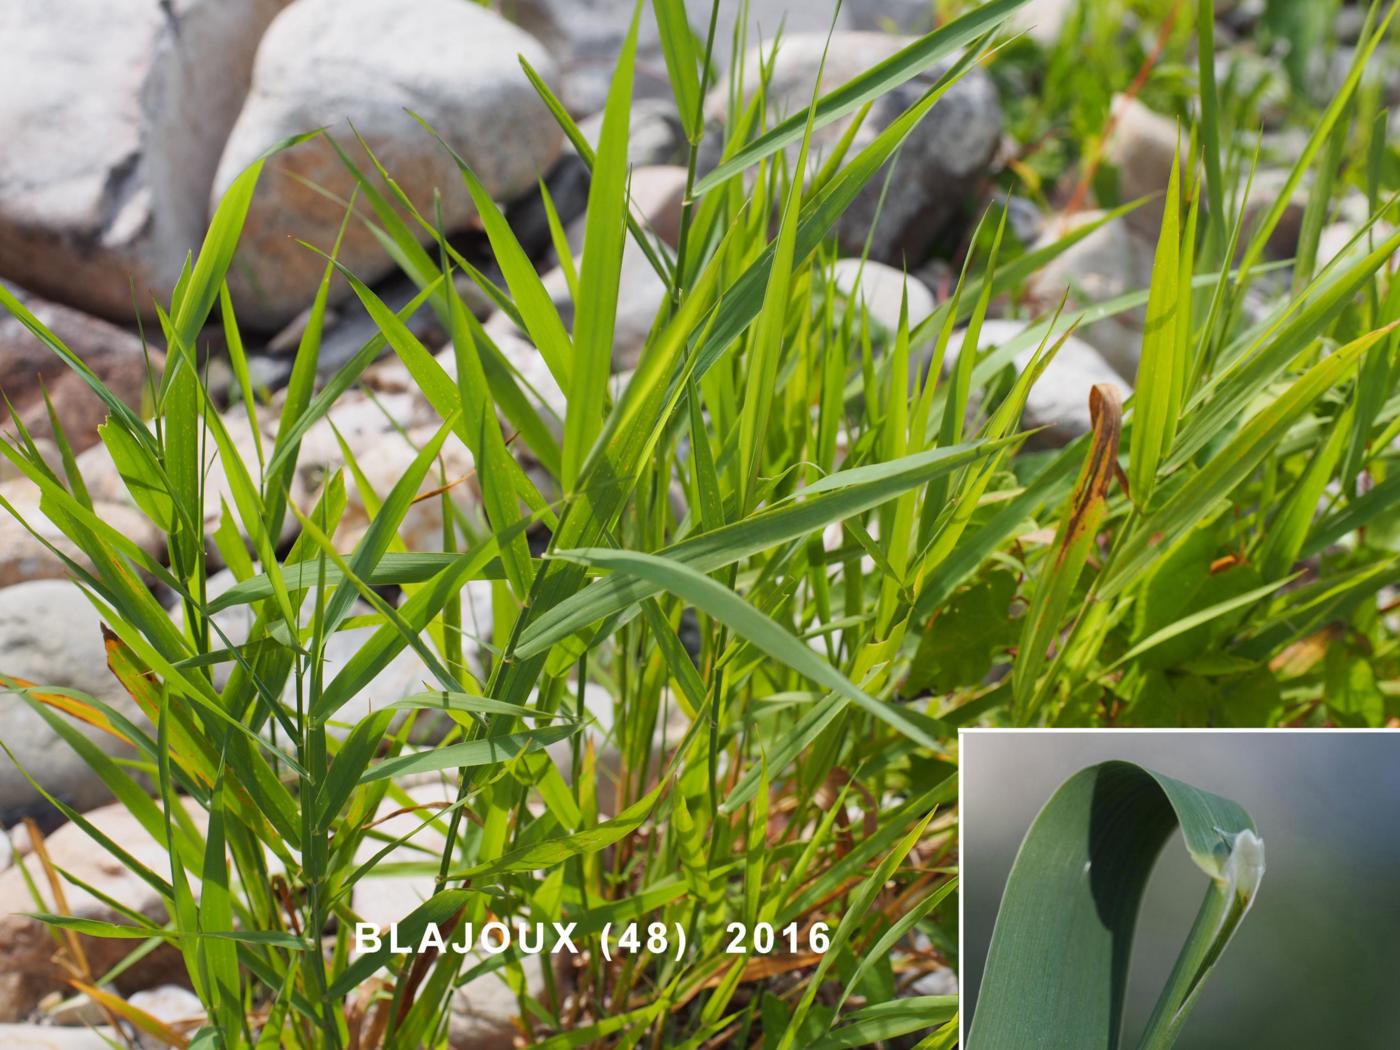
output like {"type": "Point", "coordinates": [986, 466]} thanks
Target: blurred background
{"type": "Point", "coordinates": [1316, 961]}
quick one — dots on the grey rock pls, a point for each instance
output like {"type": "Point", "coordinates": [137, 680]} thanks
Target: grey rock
{"type": "Point", "coordinates": [1025, 219]}
{"type": "Point", "coordinates": [1108, 263]}
{"type": "Point", "coordinates": [347, 327]}
{"type": "Point", "coordinates": [153, 86]}
{"type": "Point", "coordinates": [50, 635]}
{"type": "Point", "coordinates": [1263, 195]}
{"type": "Point", "coordinates": [1352, 208]}
{"type": "Point", "coordinates": [940, 164]}
{"type": "Point", "coordinates": [654, 134]}
{"type": "Point", "coordinates": [586, 36]}
{"type": "Point", "coordinates": [1261, 76]}
{"type": "Point", "coordinates": [28, 368]}
{"type": "Point", "coordinates": [891, 16]}
{"type": "Point", "coordinates": [331, 63]}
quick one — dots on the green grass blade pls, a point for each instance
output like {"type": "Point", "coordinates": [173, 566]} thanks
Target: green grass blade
{"type": "Point", "coordinates": [758, 630]}
{"type": "Point", "coordinates": [600, 274]}
{"type": "Point", "coordinates": [487, 751]}
{"type": "Point", "coordinates": [1162, 368]}
{"type": "Point", "coordinates": [844, 494]}
{"type": "Point", "coordinates": [880, 80]}
{"type": "Point", "coordinates": [1239, 458]}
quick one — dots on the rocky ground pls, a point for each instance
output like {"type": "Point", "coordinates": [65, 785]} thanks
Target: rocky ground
{"type": "Point", "coordinates": [125, 122]}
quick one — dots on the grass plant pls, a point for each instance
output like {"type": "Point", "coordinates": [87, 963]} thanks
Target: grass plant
{"type": "Point", "coordinates": [872, 554]}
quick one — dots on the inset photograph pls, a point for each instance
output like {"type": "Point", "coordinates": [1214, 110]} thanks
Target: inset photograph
{"type": "Point", "coordinates": [1204, 890]}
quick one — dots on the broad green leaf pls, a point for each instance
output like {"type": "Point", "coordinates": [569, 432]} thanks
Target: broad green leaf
{"type": "Point", "coordinates": [1057, 968]}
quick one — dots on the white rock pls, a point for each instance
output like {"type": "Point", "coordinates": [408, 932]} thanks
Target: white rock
{"type": "Point", "coordinates": [1059, 400]}
{"type": "Point", "coordinates": [1108, 263]}
{"type": "Point", "coordinates": [7, 851]}
{"type": "Point", "coordinates": [385, 435]}
{"type": "Point", "coordinates": [404, 675]}
{"type": "Point", "coordinates": [601, 729]}
{"type": "Point", "coordinates": [72, 1010]}
{"type": "Point", "coordinates": [50, 635]}
{"type": "Point", "coordinates": [115, 112]}
{"type": "Point", "coordinates": [105, 483]}
{"type": "Point", "coordinates": [387, 899]}
{"type": "Point", "coordinates": [881, 290]}
{"type": "Point", "coordinates": [940, 163]}
{"type": "Point", "coordinates": [657, 195]}
{"type": "Point", "coordinates": [1042, 20]}
{"type": "Point", "coordinates": [47, 450]}
{"type": "Point", "coordinates": [941, 981]}
{"type": "Point", "coordinates": [175, 1006]}
{"type": "Point", "coordinates": [1336, 239]}
{"type": "Point", "coordinates": [640, 295]}
{"type": "Point", "coordinates": [330, 63]}
{"type": "Point", "coordinates": [28, 970]}
{"type": "Point", "coordinates": [532, 375]}
{"type": "Point", "coordinates": [484, 1011]}
{"type": "Point", "coordinates": [47, 1037]}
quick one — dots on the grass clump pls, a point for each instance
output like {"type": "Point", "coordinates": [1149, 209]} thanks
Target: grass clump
{"type": "Point", "coordinates": [867, 554]}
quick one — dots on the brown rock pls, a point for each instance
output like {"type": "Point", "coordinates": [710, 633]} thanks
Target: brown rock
{"type": "Point", "coordinates": [657, 195]}
{"type": "Point", "coordinates": [28, 970]}
{"type": "Point", "coordinates": [28, 367]}
{"type": "Point", "coordinates": [1143, 146]}
{"type": "Point", "coordinates": [25, 557]}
